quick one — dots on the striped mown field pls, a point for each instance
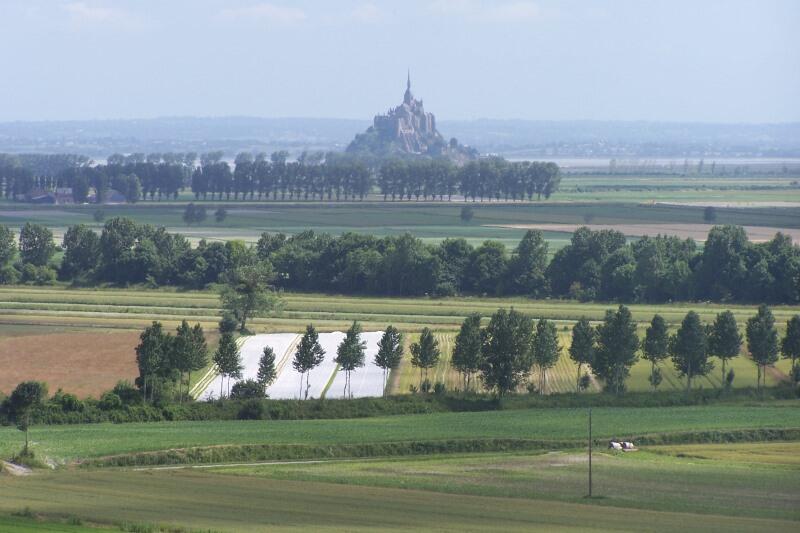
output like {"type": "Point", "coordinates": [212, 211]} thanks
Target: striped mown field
{"type": "Point", "coordinates": [56, 309]}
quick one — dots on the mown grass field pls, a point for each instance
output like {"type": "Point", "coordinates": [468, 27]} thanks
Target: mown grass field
{"type": "Point", "coordinates": [40, 311]}
{"type": "Point", "coordinates": [725, 485]}
{"type": "Point", "coordinates": [205, 500]}
{"type": "Point", "coordinates": [73, 442]}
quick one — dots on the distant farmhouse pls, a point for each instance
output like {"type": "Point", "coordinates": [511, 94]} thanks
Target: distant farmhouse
{"type": "Point", "coordinates": [408, 130]}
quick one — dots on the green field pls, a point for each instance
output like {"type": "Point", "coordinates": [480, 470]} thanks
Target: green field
{"type": "Point", "coordinates": [624, 480]}
{"type": "Point", "coordinates": [643, 491]}
{"type": "Point", "coordinates": [203, 500]}
{"type": "Point", "coordinates": [73, 442]}
{"type": "Point", "coordinates": [430, 221]}
{"type": "Point", "coordinates": [39, 310]}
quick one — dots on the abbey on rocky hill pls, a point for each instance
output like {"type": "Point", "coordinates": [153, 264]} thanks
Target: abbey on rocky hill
{"type": "Point", "coordinates": [408, 130]}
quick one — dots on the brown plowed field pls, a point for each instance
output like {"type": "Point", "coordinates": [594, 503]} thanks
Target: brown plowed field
{"type": "Point", "coordinates": [83, 363]}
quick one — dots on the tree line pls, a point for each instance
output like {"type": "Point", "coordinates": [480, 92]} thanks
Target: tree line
{"type": "Point", "coordinates": [595, 265]}
{"type": "Point", "coordinates": [330, 176]}
{"type": "Point", "coordinates": [512, 347]}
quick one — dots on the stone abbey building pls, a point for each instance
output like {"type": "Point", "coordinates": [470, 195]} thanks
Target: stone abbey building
{"type": "Point", "coordinates": [407, 130]}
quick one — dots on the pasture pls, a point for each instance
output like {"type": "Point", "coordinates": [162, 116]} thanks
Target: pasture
{"type": "Point", "coordinates": [75, 442]}
{"type": "Point", "coordinates": [651, 491]}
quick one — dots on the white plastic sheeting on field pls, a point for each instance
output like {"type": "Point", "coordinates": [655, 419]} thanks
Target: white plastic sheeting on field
{"type": "Point", "coordinates": [366, 381]}
{"type": "Point", "coordinates": [252, 349]}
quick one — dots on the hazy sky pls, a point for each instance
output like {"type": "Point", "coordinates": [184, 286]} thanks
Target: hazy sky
{"type": "Point", "coordinates": [726, 61]}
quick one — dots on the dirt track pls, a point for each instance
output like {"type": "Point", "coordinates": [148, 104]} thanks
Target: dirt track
{"type": "Point", "coordinates": [698, 232]}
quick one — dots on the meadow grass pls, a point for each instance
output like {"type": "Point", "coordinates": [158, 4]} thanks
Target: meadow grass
{"type": "Point", "coordinates": [202, 500]}
{"type": "Point", "coordinates": [731, 485]}
{"type": "Point", "coordinates": [73, 442]}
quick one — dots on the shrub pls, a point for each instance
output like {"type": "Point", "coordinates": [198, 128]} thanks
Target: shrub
{"type": "Point", "coordinates": [247, 389]}
{"type": "Point", "coordinates": [251, 410]}
{"type": "Point", "coordinates": [38, 275]}
{"type": "Point", "coordinates": [110, 401]}
{"type": "Point", "coordinates": [67, 402]}
{"type": "Point", "coordinates": [127, 393]}
{"type": "Point", "coordinates": [425, 386]}
{"type": "Point", "coordinates": [228, 323]}
{"type": "Point", "coordinates": [8, 275]}
{"type": "Point", "coordinates": [585, 382]}
{"type": "Point", "coordinates": [439, 388]}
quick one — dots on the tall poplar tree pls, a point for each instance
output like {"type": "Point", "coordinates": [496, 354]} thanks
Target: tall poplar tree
{"type": "Point", "coordinates": [390, 351]}
{"type": "Point", "coordinates": [309, 355]}
{"type": "Point", "coordinates": [350, 355]}
{"type": "Point", "coordinates": [425, 353]}
{"type": "Point", "coordinates": [617, 345]}
{"type": "Point", "coordinates": [467, 356]}
{"type": "Point", "coordinates": [545, 350]}
{"type": "Point", "coordinates": [655, 347]}
{"type": "Point", "coordinates": [581, 350]}
{"type": "Point", "coordinates": [724, 340]}
{"type": "Point", "coordinates": [267, 372]}
{"type": "Point", "coordinates": [689, 349]}
{"type": "Point", "coordinates": [762, 341]}
{"type": "Point", "coordinates": [790, 346]}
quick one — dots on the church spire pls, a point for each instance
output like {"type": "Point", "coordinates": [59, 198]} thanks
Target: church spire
{"type": "Point", "coordinates": [408, 97]}
{"type": "Point", "coordinates": [408, 83]}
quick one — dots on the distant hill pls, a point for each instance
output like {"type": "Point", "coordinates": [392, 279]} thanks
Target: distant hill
{"type": "Point", "coordinates": [523, 138]}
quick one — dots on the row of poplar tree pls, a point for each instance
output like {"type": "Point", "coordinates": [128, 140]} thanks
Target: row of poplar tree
{"type": "Point", "coordinates": [503, 354]}
{"type": "Point", "coordinates": [312, 176]}
{"type": "Point", "coordinates": [511, 347]}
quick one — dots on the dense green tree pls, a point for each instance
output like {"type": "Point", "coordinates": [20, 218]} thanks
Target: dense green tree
{"type": "Point", "coordinates": [24, 398]}
{"type": "Point", "coordinates": [467, 357]}
{"type": "Point", "coordinates": [506, 351]}
{"type": "Point", "coordinates": [527, 267]}
{"type": "Point", "coordinates": [81, 252]}
{"type": "Point", "coordinates": [762, 341]}
{"type": "Point", "coordinates": [581, 349]}
{"type": "Point", "coordinates": [724, 339]}
{"type": "Point", "coordinates": [228, 361]}
{"type": "Point", "coordinates": [655, 347]}
{"type": "Point", "coordinates": [487, 269]}
{"type": "Point", "coordinates": [425, 353]}
{"type": "Point", "coordinates": [36, 244]}
{"type": "Point", "coordinates": [617, 345]}
{"type": "Point", "coordinates": [689, 349]}
{"type": "Point", "coordinates": [390, 351]}
{"type": "Point", "coordinates": [247, 293]}
{"type": "Point", "coordinates": [350, 355]}
{"type": "Point", "coordinates": [309, 355]}
{"type": "Point", "coordinates": [790, 346]}
{"type": "Point", "coordinates": [722, 271]}
{"type": "Point", "coordinates": [267, 373]}
{"type": "Point", "coordinates": [545, 350]}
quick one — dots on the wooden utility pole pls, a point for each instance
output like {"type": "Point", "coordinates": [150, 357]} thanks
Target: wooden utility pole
{"type": "Point", "coordinates": [590, 452]}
